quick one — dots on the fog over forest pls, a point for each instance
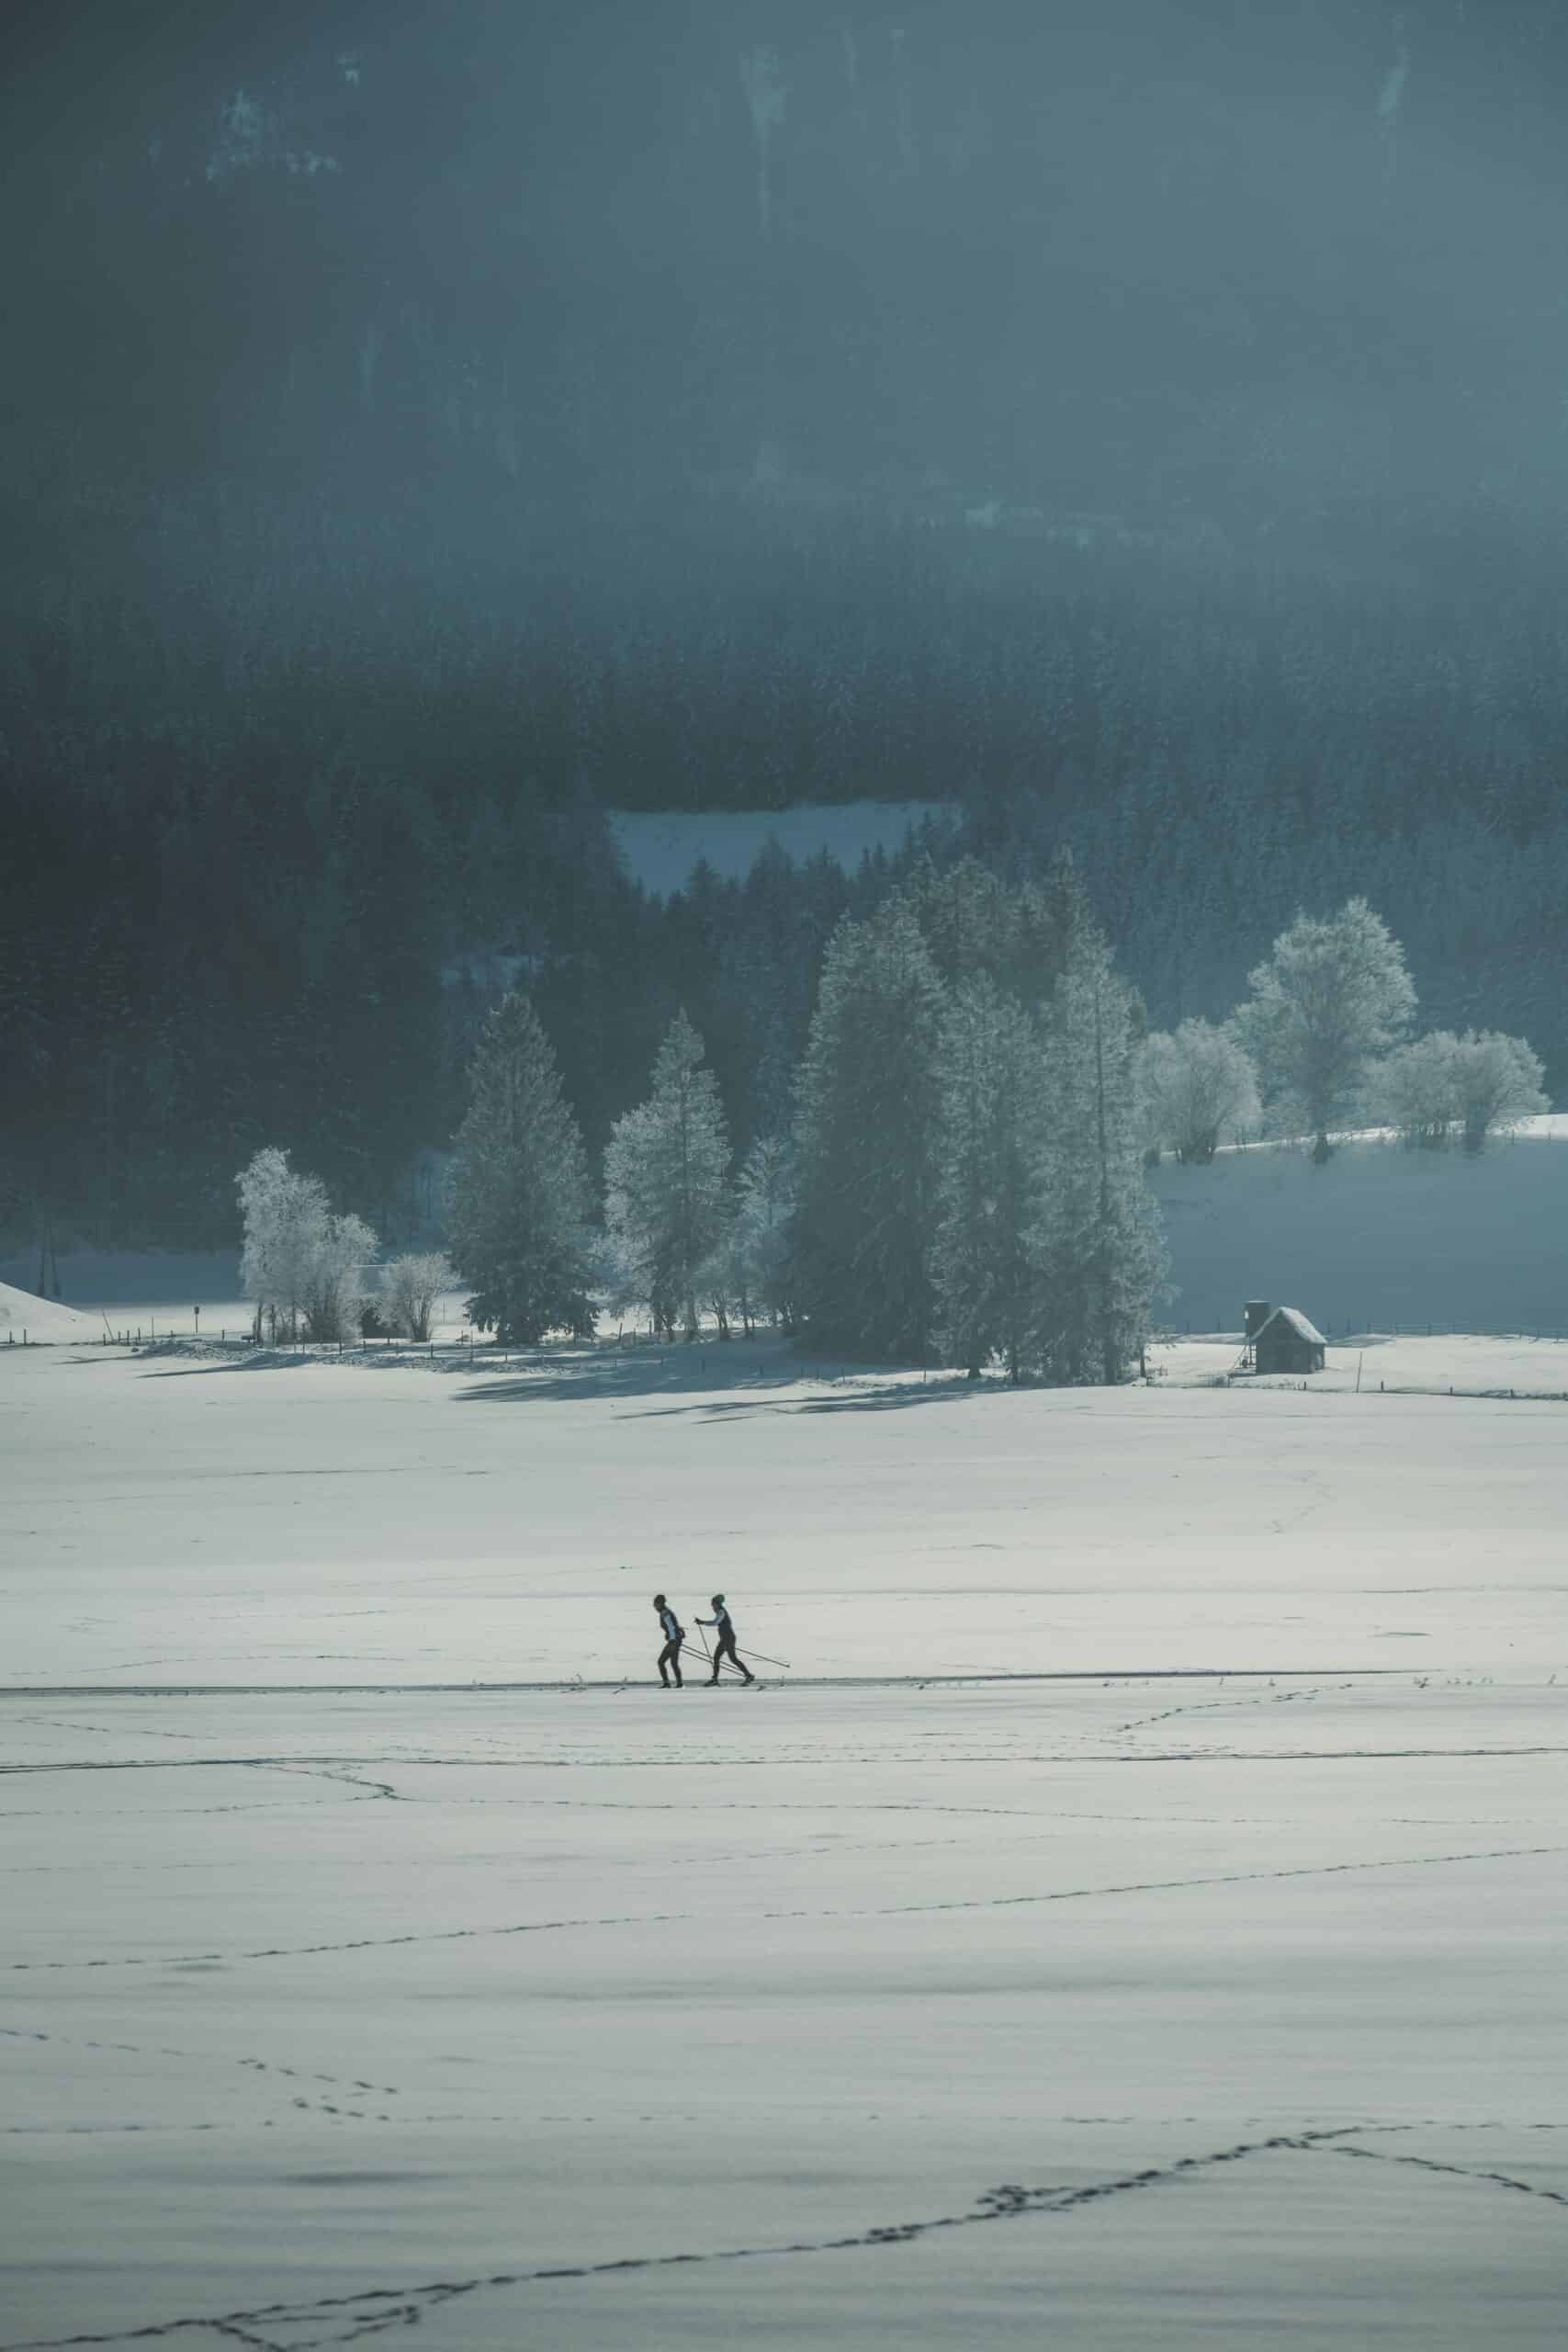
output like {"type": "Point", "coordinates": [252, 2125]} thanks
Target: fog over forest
{"type": "Point", "coordinates": [1143, 427]}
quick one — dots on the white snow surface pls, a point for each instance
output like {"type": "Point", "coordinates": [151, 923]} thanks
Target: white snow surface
{"type": "Point", "coordinates": [1377, 1239]}
{"type": "Point", "coordinates": [1206, 1989]}
{"type": "Point", "coordinates": [660, 849]}
{"type": "Point", "coordinates": [42, 1321]}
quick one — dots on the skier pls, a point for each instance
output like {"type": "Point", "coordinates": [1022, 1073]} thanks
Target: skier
{"type": "Point", "coordinates": [675, 1635]}
{"type": "Point", "coordinates": [724, 1645]}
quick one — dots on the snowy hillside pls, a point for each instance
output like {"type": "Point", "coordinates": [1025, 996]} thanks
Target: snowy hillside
{"type": "Point", "coordinates": [1379, 1239]}
{"type": "Point", "coordinates": [42, 1321]}
{"type": "Point", "coordinates": [661, 851]}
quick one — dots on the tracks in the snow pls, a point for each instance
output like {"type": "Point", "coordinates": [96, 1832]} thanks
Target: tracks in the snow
{"type": "Point", "coordinates": [311, 2325]}
{"type": "Point", "coordinates": [644, 1919]}
{"type": "Point", "coordinates": [53, 1692]}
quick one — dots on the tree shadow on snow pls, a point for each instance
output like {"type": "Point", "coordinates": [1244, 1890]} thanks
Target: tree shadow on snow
{"type": "Point", "coordinates": [768, 1375]}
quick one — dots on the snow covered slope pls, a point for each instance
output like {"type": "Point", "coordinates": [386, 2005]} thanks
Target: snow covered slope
{"type": "Point", "coordinates": [42, 1321]}
{"type": "Point", "coordinates": [1379, 1239]}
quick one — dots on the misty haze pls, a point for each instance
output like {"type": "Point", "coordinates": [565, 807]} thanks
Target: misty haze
{"type": "Point", "coordinates": [784, 1164]}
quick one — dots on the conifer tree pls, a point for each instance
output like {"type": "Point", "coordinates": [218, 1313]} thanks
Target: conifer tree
{"type": "Point", "coordinates": [667, 1205]}
{"type": "Point", "coordinates": [763, 1247]}
{"type": "Point", "coordinates": [521, 1198]}
{"type": "Point", "coordinates": [868, 1099]}
{"type": "Point", "coordinates": [1097, 1242]}
{"type": "Point", "coordinates": [992, 1139]}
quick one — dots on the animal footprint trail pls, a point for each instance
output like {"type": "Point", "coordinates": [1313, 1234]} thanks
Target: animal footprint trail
{"type": "Point", "coordinates": [334, 2321]}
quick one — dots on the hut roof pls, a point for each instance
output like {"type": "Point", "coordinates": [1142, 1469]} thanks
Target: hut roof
{"type": "Point", "coordinates": [1297, 1322]}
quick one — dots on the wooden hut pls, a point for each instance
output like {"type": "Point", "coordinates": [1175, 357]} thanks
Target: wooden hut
{"type": "Point", "coordinates": [1281, 1340]}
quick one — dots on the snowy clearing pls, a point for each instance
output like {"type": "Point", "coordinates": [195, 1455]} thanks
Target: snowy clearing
{"type": "Point", "coordinates": [1378, 1238]}
{"type": "Point", "coordinates": [659, 850]}
{"type": "Point", "coordinates": [1212, 1994]}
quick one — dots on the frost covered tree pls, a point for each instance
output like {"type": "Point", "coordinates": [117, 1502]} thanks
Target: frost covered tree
{"type": "Point", "coordinates": [973, 922]}
{"type": "Point", "coordinates": [1497, 1084]}
{"type": "Point", "coordinates": [869, 1097]}
{"type": "Point", "coordinates": [666, 1206]}
{"type": "Point", "coordinates": [992, 1139]}
{"type": "Point", "coordinates": [1414, 1090]}
{"type": "Point", "coordinates": [300, 1262]}
{"type": "Point", "coordinates": [410, 1287]}
{"type": "Point", "coordinates": [1098, 1245]}
{"type": "Point", "coordinates": [1198, 1085]}
{"type": "Point", "coordinates": [521, 1200]}
{"type": "Point", "coordinates": [1333, 997]}
{"type": "Point", "coordinates": [1473, 1086]}
{"type": "Point", "coordinates": [762, 1244]}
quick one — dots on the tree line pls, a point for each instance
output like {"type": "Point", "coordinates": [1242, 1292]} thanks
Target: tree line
{"type": "Point", "coordinates": [961, 1176]}
{"type": "Point", "coordinates": [274, 848]}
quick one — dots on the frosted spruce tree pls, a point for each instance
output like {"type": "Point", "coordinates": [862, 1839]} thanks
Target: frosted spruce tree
{"type": "Point", "coordinates": [521, 1200]}
{"type": "Point", "coordinates": [764, 1247]}
{"type": "Point", "coordinates": [667, 1206]}
{"type": "Point", "coordinates": [1332, 999]}
{"type": "Point", "coordinates": [1098, 1248]}
{"type": "Point", "coordinates": [869, 1098]}
{"type": "Point", "coordinates": [991, 1142]}
{"type": "Point", "coordinates": [974, 924]}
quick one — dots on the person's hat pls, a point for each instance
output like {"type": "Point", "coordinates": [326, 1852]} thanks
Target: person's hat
{"type": "Point", "coordinates": [658, 1600]}
{"type": "Point", "coordinates": [717, 1601]}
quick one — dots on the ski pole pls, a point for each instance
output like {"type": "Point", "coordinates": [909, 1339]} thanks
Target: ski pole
{"type": "Point", "coordinates": [764, 1659]}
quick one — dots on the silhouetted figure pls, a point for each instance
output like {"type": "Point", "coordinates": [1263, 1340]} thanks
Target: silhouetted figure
{"type": "Point", "coordinates": [724, 1645]}
{"type": "Point", "coordinates": [675, 1635]}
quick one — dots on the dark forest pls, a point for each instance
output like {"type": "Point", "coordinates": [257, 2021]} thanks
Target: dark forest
{"type": "Point", "coordinates": [425, 432]}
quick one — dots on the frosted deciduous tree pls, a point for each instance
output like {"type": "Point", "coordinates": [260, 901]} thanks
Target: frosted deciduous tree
{"type": "Point", "coordinates": [1333, 997]}
{"type": "Point", "coordinates": [1498, 1083]}
{"type": "Point", "coordinates": [1098, 1245]}
{"type": "Point", "coordinates": [667, 1206]}
{"type": "Point", "coordinates": [1414, 1090]}
{"type": "Point", "coordinates": [521, 1199]}
{"type": "Point", "coordinates": [410, 1287]}
{"type": "Point", "coordinates": [1198, 1086]}
{"type": "Point", "coordinates": [868, 1101]}
{"type": "Point", "coordinates": [1473, 1086]}
{"type": "Point", "coordinates": [992, 1139]}
{"type": "Point", "coordinates": [338, 1286]}
{"type": "Point", "coordinates": [300, 1262]}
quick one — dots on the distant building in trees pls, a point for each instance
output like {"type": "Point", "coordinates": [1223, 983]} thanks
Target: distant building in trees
{"type": "Point", "coordinates": [1281, 1339]}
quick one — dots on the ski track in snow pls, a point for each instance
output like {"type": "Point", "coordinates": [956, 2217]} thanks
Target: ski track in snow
{"type": "Point", "coordinates": [873, 1911]}
{"type": "Point", "coordinates": [374, 2310]}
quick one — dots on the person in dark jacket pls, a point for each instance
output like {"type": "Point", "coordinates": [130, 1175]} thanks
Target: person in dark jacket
{"type": "Point", "coordinates": [724, 1640]}
{"type": "Point", "coordinates": [675, 1635]}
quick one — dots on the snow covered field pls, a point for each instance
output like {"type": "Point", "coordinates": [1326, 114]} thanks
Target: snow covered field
{"type": "Point", "coordinates": [1208, 1990]}
{"type": "Point", "coordinates": [1380, 1238]}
